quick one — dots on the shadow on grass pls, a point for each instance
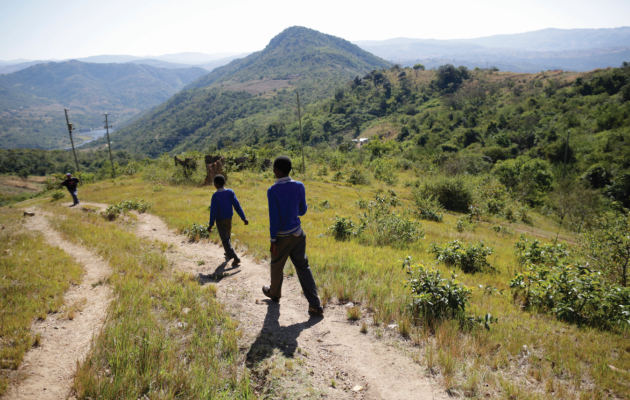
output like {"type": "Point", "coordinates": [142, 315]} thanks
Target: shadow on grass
{"type": "Point", "coordinates": [273, 336]}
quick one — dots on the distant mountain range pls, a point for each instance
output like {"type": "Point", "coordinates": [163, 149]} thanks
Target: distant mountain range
{"type": "Point", "coordinates": [32, 100]}
{"type": "Point", "coordinates": [179, 60]}
{"type": "Point", "coordinates": [231, 102]}
{"type": "Point", "coordinates": [572, 49]}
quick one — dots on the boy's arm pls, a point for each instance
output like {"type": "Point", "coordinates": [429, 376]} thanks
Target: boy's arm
{"type": "Point", "coordinates": [274, 216]}
{"type": "Point", "coordinates": [214, 204]}
{"type": "Point", "coordinates": [237, 207]}
{"type": "Point", "coordinates": [302, 207]}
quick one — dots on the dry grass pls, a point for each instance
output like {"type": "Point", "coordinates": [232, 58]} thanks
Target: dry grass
{"type": "Point", "coordinates": [33, 279]}
{"type": "Point", "coordinates": [575, 360]}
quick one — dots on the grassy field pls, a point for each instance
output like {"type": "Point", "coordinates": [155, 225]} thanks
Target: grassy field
{"type": "Point", "coordinates": [526, 354]}
{"type": "Point", "coordinates": [166, 336]}
{"type": "Point", "coordinates": [33, 279]}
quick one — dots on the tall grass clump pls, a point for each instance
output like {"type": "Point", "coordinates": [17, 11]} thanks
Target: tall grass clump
{"type": "Point", "coordinates": [140, 351]}
{"type": "Point", "coordinates": [382, 225]}
{"type": "Point", "coordinates": [469, 257]}
{"type": "Point", "coordinates": [34, 279]}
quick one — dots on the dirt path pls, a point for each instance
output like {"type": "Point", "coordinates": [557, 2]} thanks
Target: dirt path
{"type": "Point", "coordinates": [335, 348]}
{"type": "Point", "coordinates": [48, 370]}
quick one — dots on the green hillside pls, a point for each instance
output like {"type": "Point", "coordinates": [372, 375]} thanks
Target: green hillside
{"type": "Point", "coordinates": [32, 100]}
{"type": "Point", "coordinates": [233, 102]}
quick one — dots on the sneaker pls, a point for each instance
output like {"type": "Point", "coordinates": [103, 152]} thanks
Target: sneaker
{"type": "Point", "coordinates": [319, 311]}
{"type": "Point", "coordinates": [267, 292]}
{"type": "Point", "coordinates": [236, 262]}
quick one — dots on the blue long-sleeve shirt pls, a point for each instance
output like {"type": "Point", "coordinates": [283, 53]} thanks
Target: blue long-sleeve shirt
{"type": "Point", "coordinates": [221, 205]}
{"type": "Point", "coordinates": [287, 203]}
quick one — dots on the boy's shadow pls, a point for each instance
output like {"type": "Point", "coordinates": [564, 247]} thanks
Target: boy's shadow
{"type": "Point", "coordinates": [221, 272]}
{"type": "Point", "coordinates": [273, 336]}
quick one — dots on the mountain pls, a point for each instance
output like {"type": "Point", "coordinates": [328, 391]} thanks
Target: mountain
{"type": "Point", "coordinates": [32, 100]}
{"type": "Point", "coordinates": [551, 39]}
{"type": "Point", "coordinates": [572, 49]}
{"type": "Point", "coordinates": [234, 102]}
{"type": "Point", "coordinates": [13, 67]}
{"type": "Point", "coordinates": [296, 51]}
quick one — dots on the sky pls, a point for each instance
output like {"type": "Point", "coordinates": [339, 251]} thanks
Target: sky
{"type": "Point", "coordinates": [62, 29]}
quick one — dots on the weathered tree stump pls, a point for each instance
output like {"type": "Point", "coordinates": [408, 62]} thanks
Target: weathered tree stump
{"type": "Point", "coordinates": [214, 167]}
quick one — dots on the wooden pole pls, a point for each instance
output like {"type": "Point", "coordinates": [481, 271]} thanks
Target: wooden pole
{"type": "Point", "coordinates": [301, 136]}
{"type": "Point", "coordinates": [109, 146]}
{"type": "Point", "coordinates": [70, 127]}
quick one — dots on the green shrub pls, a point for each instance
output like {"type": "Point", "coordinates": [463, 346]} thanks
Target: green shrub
{"type": "Point", "coordinates": [112, 212]}
{"type": "Point", "coordinates": [531, 251]}
{"type": "Point", "coordinates": [470, 258]}
{"type": "Point", "coordinates": [384, 171]}
{"type": "Point", "coordinates": [361, 203]}
{"type": "Point", "coordinates": [357, 176]}
{"type": "Point", "coordinates": [465, 224]}
{"type": "Point", "coordinates": [343, 228]}
{"type": "Point", "coordinates": [139, 206]}
{"type": "Point", "coordinates": [197, 231]}
{"type": "Point", "coordinates": [453, 193]}
{"type": "Point", "coordinates": [435, 298]}
{"type": "Point", "coordinates": [428, 208]}
{"type": "Point", "coordinates": [57, 195]}
{"type": "Point", "coordinates": [323, 171]}
{"type": "Point", "coordinates": [338, 176]}
{"type": "Point", "coordinates": [574, 294]}
{"type": "Point", "coordinates": [384, 226]}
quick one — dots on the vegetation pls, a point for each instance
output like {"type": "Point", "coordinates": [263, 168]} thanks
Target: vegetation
{"type": "Point", "coordinates": [25, 295]}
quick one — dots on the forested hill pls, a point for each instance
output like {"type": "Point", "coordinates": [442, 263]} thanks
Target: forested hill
{"type": "Point", "coordinates": [32, 100]}
{"type": "Point", "coordinates": [296, 51]}
{"type": "Point", "coordinates": [232, 103]}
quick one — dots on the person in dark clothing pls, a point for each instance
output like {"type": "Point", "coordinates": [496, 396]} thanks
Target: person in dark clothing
{"type": "Point", "coordinates": [287, 202]}
{"type": "Point", "coordinates": [221, 212]}
{"type": "Point", "coordinates": [71, 184]}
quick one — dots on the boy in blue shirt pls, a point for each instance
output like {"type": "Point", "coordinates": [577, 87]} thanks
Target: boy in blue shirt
{"type": "Point", "coordinates": [221, 212]}
{"type": "Point", "coordinates": [287, 202]}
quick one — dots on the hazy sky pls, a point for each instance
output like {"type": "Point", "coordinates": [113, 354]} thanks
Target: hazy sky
{"type": "Point", "coordinates": [45, 29]}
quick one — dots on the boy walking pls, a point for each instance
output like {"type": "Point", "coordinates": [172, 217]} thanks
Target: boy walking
{"type": "Point", "coordinates": [71, 184]}
{"type": "Point", "coordinates": [287, 202]}
{"type": "Point", "coordinates": [221, 212]}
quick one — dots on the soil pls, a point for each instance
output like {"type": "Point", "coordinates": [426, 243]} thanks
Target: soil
{"type": "Point", "coordinates": [48, 370]}
{"type": "Point", "coordinates": [336, 349]}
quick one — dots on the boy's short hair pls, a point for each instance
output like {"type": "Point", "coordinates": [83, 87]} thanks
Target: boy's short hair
{"type": "Point", "coordinates": [282, 164]}
{"type": "Point", "coordinates": [219, 180]}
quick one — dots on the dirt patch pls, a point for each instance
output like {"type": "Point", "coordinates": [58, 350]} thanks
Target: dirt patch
{"type": "Point", "coordinates": [339, 358]}
{"type": "Point", "coordinates": [47, 371]}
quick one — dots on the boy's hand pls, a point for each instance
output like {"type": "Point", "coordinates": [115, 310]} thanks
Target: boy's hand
{"type": "Point", "coordinates": [272, 249]}
{"type": "Point", "coordinates": [209, 229]}
{"type": "Point", "coordinates": [246, 222]}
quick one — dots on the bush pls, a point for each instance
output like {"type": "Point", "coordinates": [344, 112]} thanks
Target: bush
{"type": "Point", "coordinates": [343, 228]}
{"type": "Point", "coordinates": [531, 251]}
{"type": "Point", "coordinates": [452, 193]}
{"type": "Point", "coordinates": [470, 258]}
{"type": "Point", "coordinates": [428, 208]}
{"type": "Point", "coordinates": [197, 231]}
{"type": "Point", "coordinates": [574, 294]}
{"type": "Point", "coordinates": [465, 224]}
{"type": "Point", "coordinates": [57, 195]}
{"type": "Point", "coordinates": [112, 212]}
{"type": "Point", "coordinates": [338, 176]}
{"type": "Point", "coordinates": [358, 176]}
{"type": "Point", "coordinates": [384, 171]}
{"type": "Point", "coordinates": [386, 227]}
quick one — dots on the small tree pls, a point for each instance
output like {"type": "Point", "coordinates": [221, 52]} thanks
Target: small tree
{"type": "Point", "coordinates": [607, 247]}
{"type": "Point", "coordinates": [23, 174]}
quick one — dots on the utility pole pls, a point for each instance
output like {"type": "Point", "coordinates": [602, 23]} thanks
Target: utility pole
{"type": "Point", "coordinates": [70, 128]}
{"type": "Point", "coordinates": [566, 153]}
{"type": "Point", "coordinates": [109, 146]}
{"type": "Point", "coordinates": [301, 136]}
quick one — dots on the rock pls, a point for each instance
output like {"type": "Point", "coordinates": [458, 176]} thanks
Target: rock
{"type": "Point", "coordinates": [393, 326]}
{"type": "Point", "coordinates": [349, 305]}
{"type": "Point", "coordinates": [357, 388]}
{"type": "Point", "coordinates": [185, 310]}
{"type": "Point", "coordinates": [55, 327]}
{"type": "Point", "coordinates": [29, 214]}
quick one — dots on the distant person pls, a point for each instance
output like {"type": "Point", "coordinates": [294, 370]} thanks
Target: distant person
{"type": "Point", "coordinates": [71, 184]}
{"type": "Point", "coordinates": [221, 212]}
{"type": "Point", "coordinates": [287, 202]}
